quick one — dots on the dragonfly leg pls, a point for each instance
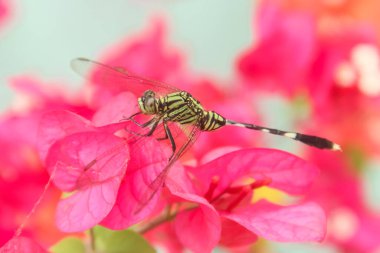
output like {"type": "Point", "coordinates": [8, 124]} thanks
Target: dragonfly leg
{"type": "Point", "coordinates": [154, 120]}
{"type": "Point", "coordinates": [149, 122]}
{"type": "Point", "coordinates": [130, 117]}
{"type": "Point", "coordinates": [155, 124]}
{"type": "Point", "coordinates": [133, 132]}
{"type": "Point", "coordinates": [144, 124]}
{"type": "Point", "coordinates": [163, 138]}
{"type": "Point", "coordinates": [169, 135]}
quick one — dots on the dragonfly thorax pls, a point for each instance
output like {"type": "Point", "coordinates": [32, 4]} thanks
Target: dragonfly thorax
{"type": "Point", "coordinates": [179, 107]}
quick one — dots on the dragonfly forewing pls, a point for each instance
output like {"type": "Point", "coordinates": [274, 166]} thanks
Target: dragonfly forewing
{"type": "Point", "coordinates": [117, 79]}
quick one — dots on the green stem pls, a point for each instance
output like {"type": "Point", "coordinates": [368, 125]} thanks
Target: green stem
{"type": "Point", "coordinates": [92, 240]}
{"type": "Point", "coordinates": [162, 219]}
{"type": "Point", "coordinates": [156, 223]}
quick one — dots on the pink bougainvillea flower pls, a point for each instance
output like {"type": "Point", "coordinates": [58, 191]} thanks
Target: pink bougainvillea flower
{"type": "Point", "coordinates": [95, 187]}
{"type": "Point", "coordinates": [147, 161]}
{"type": "Point", "coordinates": [74, 144]}
{"type": "Point", "coordinates": [341, 75]}
{"type": "Point", "coordinates": [338, 74]}
{"type": "Point", "coordinates": [111, 190]}
{"type": "Point", "coordinates": [22, 168]}
{"type": "Point", "coordinates": [94, 164]}
{"type": "Point", "coordinates": [353, 226]}
{"type": "Point", "coordinates": [283, 54]}
{"type": "Point", "coordinates": [222, 192]}
{"type": "Point", "coordinates": [305, 61]}
{"type": "Point", "coordinates": [22, 244]}
{"type": "Point", "coordinates": [342, 99]}
{"type": "Point", "coordinates": [55, 125]}
{"type": "Point", "coordinates": [339, 66]}
{"type": "Point", "coordinates": [332, 74]}
{"type": "Point", "coordinates": [341, 82]}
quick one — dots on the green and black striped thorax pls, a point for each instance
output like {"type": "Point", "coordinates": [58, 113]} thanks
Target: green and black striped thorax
{"type": "Point", "coordinates": [180, 107]}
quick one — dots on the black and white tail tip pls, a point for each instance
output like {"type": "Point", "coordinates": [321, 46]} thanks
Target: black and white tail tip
{"type": "Point", "coordinates": [310, 140]}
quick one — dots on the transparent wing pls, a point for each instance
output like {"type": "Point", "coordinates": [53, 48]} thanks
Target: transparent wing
{"type": "Point", "coordinates": [134, 134]}
{"type": "Point", "coordinates": [191, 136]}
{"type": "Point", "coordinates": [104, 160]}
{"type": "Point", "coordinates": [117, 79]}
{"type": "Point", "coordinates": [130, 133]}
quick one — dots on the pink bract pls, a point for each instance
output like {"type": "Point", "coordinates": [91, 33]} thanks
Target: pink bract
{"type": "Point", "coordinates": [118, 108]}
{"type": "Point", "coordinates": [69, 162]}
{"type": "Point", "coordinates": [23, 170]}
{"type": "Point", "coordinates": [55, 125]}
{"type": "Point", "coordinates": [283, 54]}
{"type": "Point", "coordinates": [215, 194]}
{"type": "Point", "coordinates": [364, 226]}
{"type": "Point", "coordinates": [148, 159]}
{"type": "Point", "coordinates": [287, 172]}
{"type": "Point", "coordinates": [299, 223]}
{"type": "Point", "coordinates": [205, 221]}
{"type": "Point", "coordinates": [22, 244]}
{"type": "Point", "coordinates": [92, 162]}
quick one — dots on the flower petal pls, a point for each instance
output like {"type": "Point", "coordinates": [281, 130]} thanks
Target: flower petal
{"type": "Point", "coordinates": [288, 172]}
{"type": "Point", "coordinates": [83, 159]}
{"type": "Point", "coordinates": [280, 65]}
{"type": "Point", "coordinates": [22, 244]}
{"type": "Point", "coordinates": [235, 235]}
{"type": "Point", "coordinates": [198, 229]}
{"type": "Point", "coordinates": [86, 208]}
{"type": "Point", "coordinates": [93, 164]}
{"type": "Point", "coordinates": [299, 223]}
{"type": "Point", "coordinates": [55, 125]}
{"type": "Point", "coordinates": [119, 107]}
{"type": "Point", "coordinates": [148, 159]}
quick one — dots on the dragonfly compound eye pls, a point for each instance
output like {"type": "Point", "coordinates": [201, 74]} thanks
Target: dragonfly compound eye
{"type": "Point", "coordinates": [147, 102]}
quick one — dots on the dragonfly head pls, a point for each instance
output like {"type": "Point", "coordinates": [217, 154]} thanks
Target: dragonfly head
{"type": "Point", "coordinates": [148, 102]}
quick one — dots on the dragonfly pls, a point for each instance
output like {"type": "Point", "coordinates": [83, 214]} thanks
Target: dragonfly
{"type": "Point", "coordinates": [167, 106]}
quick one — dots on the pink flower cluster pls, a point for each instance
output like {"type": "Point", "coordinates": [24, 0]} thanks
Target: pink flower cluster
{"type": "Point", "coordinates": [329, 53]}
{"type": "Point", "coordinates": [213, 199]}
{"type": "Point", "coordinates": [105, 171]}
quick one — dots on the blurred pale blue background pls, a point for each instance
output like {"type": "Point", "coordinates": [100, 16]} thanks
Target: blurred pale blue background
{"type": "Point", "coordinates": [43, 36]}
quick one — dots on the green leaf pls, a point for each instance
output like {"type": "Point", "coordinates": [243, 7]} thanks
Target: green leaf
{"type": "Point", "coordinates": [69, 244]}
{"type": "Point", "coordinates": [126, 241]}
